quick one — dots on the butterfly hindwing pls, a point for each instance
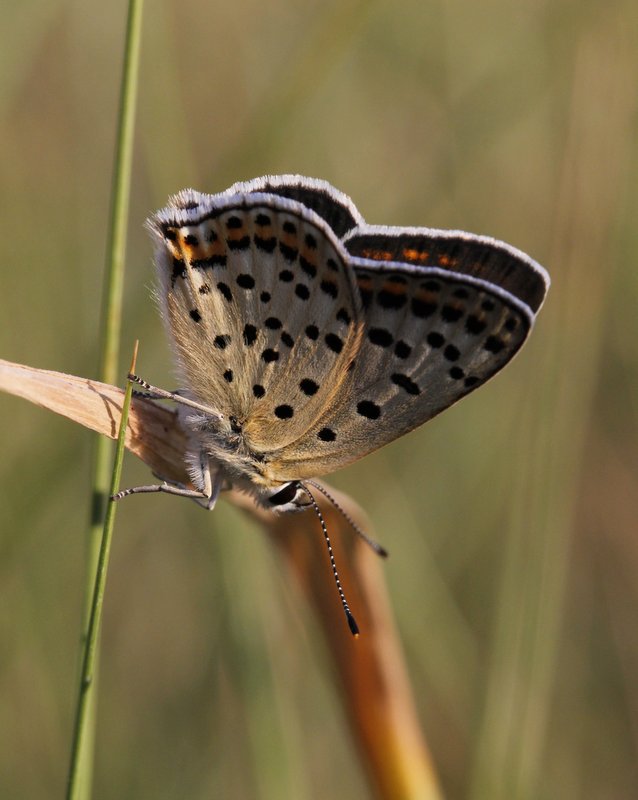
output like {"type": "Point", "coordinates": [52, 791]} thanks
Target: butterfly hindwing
{"type": "Point", "coordinates": [480, 257]}
{"type": "Point", "coordinates": [431, 336]}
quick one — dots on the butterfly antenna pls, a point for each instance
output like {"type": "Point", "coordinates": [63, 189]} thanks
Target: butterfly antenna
{"type": "Point", "coordinates": [378, 549]}
{"type": "Point", "coordinates": [352, 623]}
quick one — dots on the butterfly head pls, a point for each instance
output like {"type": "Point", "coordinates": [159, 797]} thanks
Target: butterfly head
{"type": "Point", "coordinates": [289, 496]}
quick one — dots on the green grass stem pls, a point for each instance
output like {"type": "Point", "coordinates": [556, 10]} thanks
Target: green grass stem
{"type": "Point", "coordinates": [77, 782]}
{"type": "Point", "coordinates": [82, 757]}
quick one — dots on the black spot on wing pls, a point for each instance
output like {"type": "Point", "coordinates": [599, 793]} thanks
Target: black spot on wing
{"type": "Point", "coordinates": [334, 342]}
{"type": "Point", "coordinates": [402, 350]}
{"type": "Point", "coordinates": [451, 353]}
{"type": "Point", "coordinates": [224, 288]}
{"type": "Point", "coordinates": [266, 245]}
{"type": "Point", "coordinates": [405, 383]}
{"type": "Point", "coordinates": [238, 244]}
{"type": "Point", "coordinates": [308, 267]}
{"type": "Point", "coordinates": [250, 335]}
{"type": "Point", "coordinates": [493, 344]}
{"type": "Point", "coordinates": [269, 355]}
{"type": "Point", "coordinates": [284, 411]}
{"type": "Point", "coordinates": [450, 313]}
{"type": "Point", "coordinates": [309, 387]}
{"type": "Point", "coordinates": [368, 409]}
{"type": "Point", "coordinates": [330, 288]}
{"type": "Point", "coordinates": [422, 308]}
{"type": "Point", "coordinates": [288, 252]}
{"type": "Point", "coordinates": [474, 325]}
{"type": "Point", "coordinates": [312, 332]}
{"type": "Point", "coordinates": [381, 337]}
{"type": "Point", "coordinates": [245, 281]}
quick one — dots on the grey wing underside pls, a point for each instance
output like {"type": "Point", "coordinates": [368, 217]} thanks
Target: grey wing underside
{"type": "Point", "coordinates": [385, 328]}
{"type": "Point", "coordinates": [432, 335]}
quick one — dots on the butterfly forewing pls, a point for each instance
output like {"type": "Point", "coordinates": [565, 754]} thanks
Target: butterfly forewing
{"type": "Point", "coordinates": [256, 289]}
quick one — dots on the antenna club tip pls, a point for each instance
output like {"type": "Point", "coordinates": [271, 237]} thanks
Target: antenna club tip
{"type": "Point", "coordinates": [352, 624]}
{"type": "Point", "coordinates": [383, 552]}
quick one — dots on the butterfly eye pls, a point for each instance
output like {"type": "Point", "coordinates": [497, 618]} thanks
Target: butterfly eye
{"type": "Point", "coordinates": [285, 495]}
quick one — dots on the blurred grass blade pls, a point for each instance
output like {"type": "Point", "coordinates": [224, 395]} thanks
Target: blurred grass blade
{"type": "Point", "coordinates": [553, 432]}
{"type": "Point", "coordinates": [327, 41]}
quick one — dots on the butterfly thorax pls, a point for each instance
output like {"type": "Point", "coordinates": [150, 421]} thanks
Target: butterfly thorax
{"type": "Point", "coordinates": [224, 442]}
{"type": "Point", "coordinates": [223, 445]}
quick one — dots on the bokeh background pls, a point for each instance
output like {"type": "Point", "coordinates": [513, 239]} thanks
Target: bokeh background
{"type": "Point", "coordinates": [511, 519]}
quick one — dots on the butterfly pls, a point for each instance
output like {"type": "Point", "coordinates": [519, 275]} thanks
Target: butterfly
{"type": "Point", "coordinates": [306, 338]}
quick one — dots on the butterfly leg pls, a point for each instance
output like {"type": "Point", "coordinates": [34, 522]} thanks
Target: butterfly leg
{"type": "Point", "coordinates": [168, 488]}
{"type": "Point", "coordinates": [211, 483]}
{"type": "Point", "coordinates": [206, 497]}
{"type": "Point", "coordinates": [154, 393]}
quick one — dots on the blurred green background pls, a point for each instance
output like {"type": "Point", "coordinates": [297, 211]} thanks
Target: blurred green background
{"type": "Point", "coordinates": [511, 519]}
